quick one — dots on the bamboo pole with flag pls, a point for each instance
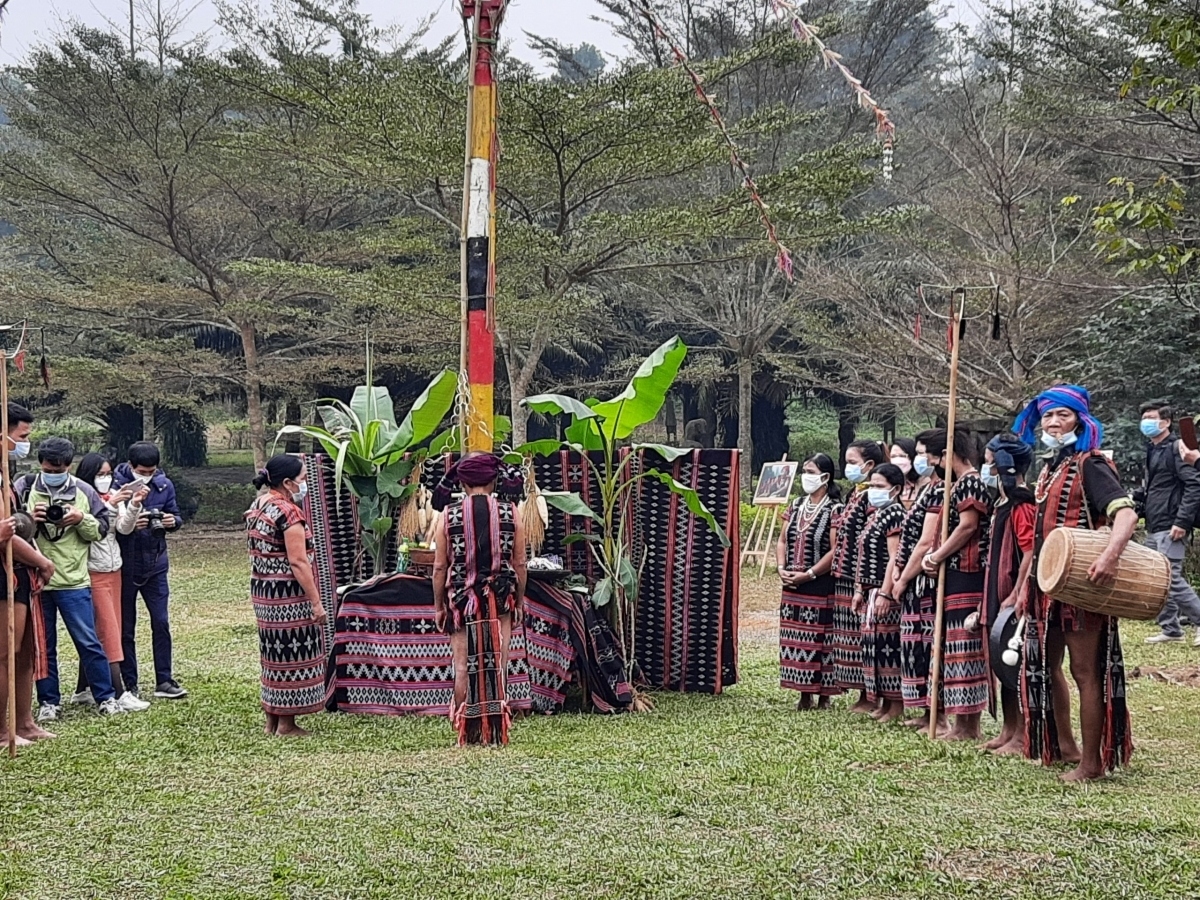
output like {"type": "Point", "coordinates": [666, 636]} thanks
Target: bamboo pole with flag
{"type": "Point", "coordinates": [479, 221]}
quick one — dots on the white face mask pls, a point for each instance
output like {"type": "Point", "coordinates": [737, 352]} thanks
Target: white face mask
{"type": "Point", "coordinates": [103, 483]}
{"type": "Point", "coordinates": [903, 463]}
{"type": "Point", "coordinates": [810, 483]}
{"type": "Point", "coordinates": [1055, 442]}
{"type": "Point", "coordinates": [299, 495]}
{"type": "Point", "coordinates": [20, 449]}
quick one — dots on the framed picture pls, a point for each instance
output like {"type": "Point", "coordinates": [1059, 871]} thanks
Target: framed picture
{"type": "Point", "coordinates": [775, 484]}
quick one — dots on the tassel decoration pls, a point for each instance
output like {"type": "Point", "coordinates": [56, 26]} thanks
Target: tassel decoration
{"type": "Point", "coordinates": [534, 514]}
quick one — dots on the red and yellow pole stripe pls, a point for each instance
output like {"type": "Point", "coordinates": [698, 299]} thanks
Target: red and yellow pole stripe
{"type": "Point", "coordinates": [479, 259]}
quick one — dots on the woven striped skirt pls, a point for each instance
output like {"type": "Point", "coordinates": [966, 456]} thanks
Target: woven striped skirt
{"type": "Point", "coordinates": [916, 642]}
{"type": "Point", "coordinates": [847, 638]}
{"type": "Point", "coordinates": [805, 638]}
{"type": "Point", "coordinates": [881, 652]}
{"type": "Point", "coordinates": [964, 674]}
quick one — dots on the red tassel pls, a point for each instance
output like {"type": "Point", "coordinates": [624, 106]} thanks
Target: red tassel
{"type": "Point", "coordinates": [917, 327]}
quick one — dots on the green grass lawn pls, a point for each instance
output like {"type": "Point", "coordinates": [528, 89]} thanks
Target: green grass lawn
{"type": "Point", "coordinates": [737, 796]}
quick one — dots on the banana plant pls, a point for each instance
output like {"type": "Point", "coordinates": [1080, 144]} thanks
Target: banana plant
{"type": "Point", "coordinates": [375, 457]}
{"type": "Point", "coordinates": [602, 428]}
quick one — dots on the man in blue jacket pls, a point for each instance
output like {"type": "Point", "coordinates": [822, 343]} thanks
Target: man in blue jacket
{"type": "Point", "coordinates": [145, 565]}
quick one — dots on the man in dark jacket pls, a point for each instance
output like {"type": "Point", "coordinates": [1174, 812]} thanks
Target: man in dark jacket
{"type": "Point", "coordinates": [144, 570]}
{"type": "Point", "coordinates": [1172, 498]}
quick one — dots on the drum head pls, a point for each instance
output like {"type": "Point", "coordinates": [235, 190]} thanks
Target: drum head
{"type": "Point", "coordinates": [1002, 632]}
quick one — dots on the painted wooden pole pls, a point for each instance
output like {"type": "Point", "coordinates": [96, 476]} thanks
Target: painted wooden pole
{"type": "Point", "coordinates": [957, 302]}
{"type": "Point", "coordinates": [479, 236]}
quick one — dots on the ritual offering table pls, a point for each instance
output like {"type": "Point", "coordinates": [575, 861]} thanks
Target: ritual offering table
{"type": "Point", "coordinates": [389, 658]}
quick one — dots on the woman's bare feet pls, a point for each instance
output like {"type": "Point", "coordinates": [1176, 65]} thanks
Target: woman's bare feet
{"type": "Point", "coordinates": [891, 711]}
{"type": "Point", "coordinates": [20, 742]}
{"type": "Point", "coordinates": [35, 733]}
{"type": "Point", "coordinates": [805, 702]}
{"type": "Point", "coordinates": [918, 723]}
{"type": "Point", "coordinates": [1083, 773]}
{"type": "Point", "coordinates": [287, 727]}
{"type": "Point", "coordinates": [863, 706]}
{"type": "Point", "coordinates": [271, 725]}
{"type": "Point", "coordinates": [823, 703]}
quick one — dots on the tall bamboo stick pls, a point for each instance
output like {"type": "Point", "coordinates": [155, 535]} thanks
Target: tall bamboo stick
{"type": "Point", "coordinates": [957, 300]}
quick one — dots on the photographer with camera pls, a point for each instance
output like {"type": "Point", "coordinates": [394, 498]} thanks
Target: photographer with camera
{"type": "Point", "coordinates": [145, 565]}
{"type": "Point", "coordinates": [70, 517]}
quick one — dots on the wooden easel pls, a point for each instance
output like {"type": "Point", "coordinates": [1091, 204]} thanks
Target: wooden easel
{"type": "Point", "coordinates": [761, 539]}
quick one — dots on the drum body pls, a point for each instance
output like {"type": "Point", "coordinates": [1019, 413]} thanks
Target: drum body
{"type": "Point", "coordinates": [1143, 575]}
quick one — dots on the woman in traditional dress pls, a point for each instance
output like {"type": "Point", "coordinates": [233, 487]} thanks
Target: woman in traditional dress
{"type": "Point", "coordinates": [904, 457]}
{"type": "Point", "coordinates": [287, 603]}
{"type": "Point", "coordinates": [1010, 560]}
{"type": "Point", "coordinates": [877, 545]}
{"type": "Point", "coordinates": [965, 676]}
{"type": "Point", "coordinates": [861, 458]}
{"type": "Point", "coordinates": [910, 585]}
{"type": "Point", "coordinates": [478, 590]}
{"type": "Point", "coordinates": [1078, 488]}
{"type": "Point", "coordinates": [805, 552]}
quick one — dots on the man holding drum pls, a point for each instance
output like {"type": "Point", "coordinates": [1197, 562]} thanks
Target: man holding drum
{"type": "Point", "coordinates": [1078, 488]}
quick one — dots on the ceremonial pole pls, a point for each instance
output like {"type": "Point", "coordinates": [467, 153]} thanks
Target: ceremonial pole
{"type": "Point", "coordinates": [957, 304]}
{"type": "Point", "coordinates": [9, 571]}
{"type": "Point", "coordinates": [479, 237]}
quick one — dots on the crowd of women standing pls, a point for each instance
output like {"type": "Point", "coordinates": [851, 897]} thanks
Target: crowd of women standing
{"type": "Point", "coordinates": [860, 578]}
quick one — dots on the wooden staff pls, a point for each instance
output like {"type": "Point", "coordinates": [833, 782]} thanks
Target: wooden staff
{"type": "Point", "coordinates": [957, 301]}
{"type": "Point", "coordinates": [9, 572]}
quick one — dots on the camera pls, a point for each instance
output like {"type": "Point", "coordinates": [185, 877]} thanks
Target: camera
{"type": "Point", "coordinates": [56, 511]}
{"type": "Point", "coordinates": [154, 519]}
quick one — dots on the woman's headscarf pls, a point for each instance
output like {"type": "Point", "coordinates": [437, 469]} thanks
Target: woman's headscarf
{"type": "Point", "coordinates": [1013, 457]}
{"type": "Point", "coordinates": [1067, 396]}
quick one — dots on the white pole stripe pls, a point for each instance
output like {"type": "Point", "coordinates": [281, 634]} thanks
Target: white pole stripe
{"type": "Point", "coordinates": [479, 208]}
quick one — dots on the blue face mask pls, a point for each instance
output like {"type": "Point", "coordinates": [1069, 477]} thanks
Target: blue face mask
{"type": "Point", "coordinates": [854, 474]}
{"type": "Point", "coordinates": [879, 497]}
{"type": "Point", "coordinates": [989, 476]}
{"type": "Point", "coordinates": [921, 465]}
{"type": "Point", "coordinates": [1152, 428]}
{"type": "Point", "coordinates": [55, 479]}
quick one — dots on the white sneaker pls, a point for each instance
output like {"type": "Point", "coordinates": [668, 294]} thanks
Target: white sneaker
{"type": "Point", "coordinates": [48, 713]}
{"type": "Point", "coordinates": [129, 703]}
{"type": "Point", "coordinates": [83, 698]}
{"type": "Point", "coordinates": [110, 707]}
{"type": "Point", "coordinates": [1161, 638]}
{"type": "Point", "coordinates": [1196, 642]}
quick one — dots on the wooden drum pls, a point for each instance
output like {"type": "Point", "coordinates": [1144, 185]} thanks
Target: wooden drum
{"type": "Point", "coordinates": [1143, 575]}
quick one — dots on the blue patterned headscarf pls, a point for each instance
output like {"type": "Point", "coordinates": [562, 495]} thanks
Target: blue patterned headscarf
{"type": "Point", "coordinates": [1067, 396]}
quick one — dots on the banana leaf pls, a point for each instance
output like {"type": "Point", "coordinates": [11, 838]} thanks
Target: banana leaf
{"type": "Point", "coordinates": [694, 504]}
{"type": "Point", "coordinates": [646, 392]}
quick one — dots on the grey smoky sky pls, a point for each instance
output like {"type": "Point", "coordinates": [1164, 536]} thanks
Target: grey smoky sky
{"type": "Point", "coordinates": [29, 22]}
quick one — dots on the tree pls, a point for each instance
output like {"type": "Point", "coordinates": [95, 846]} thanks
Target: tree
{"type": "Point", "coordinates": [172, 199]}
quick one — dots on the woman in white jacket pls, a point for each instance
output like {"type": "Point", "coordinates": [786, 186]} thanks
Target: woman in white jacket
{"type": "Point", "coordinates": [104, 567]}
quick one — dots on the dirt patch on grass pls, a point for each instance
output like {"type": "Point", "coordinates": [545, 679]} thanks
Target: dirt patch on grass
{"type": "Point", "coordinates": [987, 866]}
{"type": "Point", "coordinates": [1181, 676]}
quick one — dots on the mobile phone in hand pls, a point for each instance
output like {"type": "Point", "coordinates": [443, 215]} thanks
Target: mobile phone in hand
{"type": "Point", "coordinates": [1187, 432]}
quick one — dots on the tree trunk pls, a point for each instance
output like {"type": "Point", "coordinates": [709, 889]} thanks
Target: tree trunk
{"type": "Point", "coordinates": [254, 405]}
{"type": "Point", "coordinates": [293, 416]}
{"type": "Point", "coordinates": [745, 420]}
{"type": "Point", "coordinates": [148, 423]}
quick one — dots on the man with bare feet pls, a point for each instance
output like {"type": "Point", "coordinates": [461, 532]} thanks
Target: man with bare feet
{"type": "Point", "coordinates": [964, 663]}
{"type": "Point", "coordinates": [1010, 560]}
{"type": "Point", "coordinates": [1078, 488]}
{"type": "Point", "coordinates": [27, 564]}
